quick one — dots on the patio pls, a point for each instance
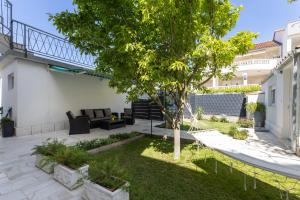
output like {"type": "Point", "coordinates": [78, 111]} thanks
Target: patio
{"type": "Point", "coordinates": [20, 179]}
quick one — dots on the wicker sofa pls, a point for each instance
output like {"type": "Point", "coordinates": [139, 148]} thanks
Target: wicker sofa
{"type": "Point", "coordinates": [95, 116]}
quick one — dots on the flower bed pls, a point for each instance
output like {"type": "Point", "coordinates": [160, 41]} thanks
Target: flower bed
{"type": "Point", "coordinates": [98, 145]}
{"type": "Point", "coordinates": [105, 182]}
{"type": "Point", "coordinates": [44, 154]}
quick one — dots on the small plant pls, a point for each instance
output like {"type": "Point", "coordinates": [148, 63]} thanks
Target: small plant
{"type": "Point", "coordinates": [5, 120]}
{"type": "Point", "coordinates": [224, 120]}
{"type": "Point", "coordinates": [213, 119]}
{"type": "Point", "coordinates": [107, 174]}
{"type": "Point", "coordinates": [245, 123]}
{"type": "Point", "coordinates": [200, 113]}
{"type": "Point", "coordinates": [238, 134]}
{"type": "Point", "coordinates": [95, 143]}
{"type": "Point", "coordinates": [73, 158]}
{"type": "Point", "coordinates": [49, 147]}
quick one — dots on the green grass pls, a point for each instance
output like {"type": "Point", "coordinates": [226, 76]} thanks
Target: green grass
{"type": "Point", "coordinates": [153, 174]}
{"type": "Point", "coordinates": [206, 124]}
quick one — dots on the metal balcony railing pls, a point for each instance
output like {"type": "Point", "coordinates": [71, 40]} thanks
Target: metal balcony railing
{"type": "Point", "coordinates": [40, 43]}
{"type": "Point", "coordinates": [255, 62]}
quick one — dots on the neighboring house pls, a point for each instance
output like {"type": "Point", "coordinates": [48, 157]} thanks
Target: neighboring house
{"type": "Point", "coordinates": [253, 67]}
{"type": "Point", "coordinates": [43, 76]}
{"type": "Point", "coordinates": [282, 89]}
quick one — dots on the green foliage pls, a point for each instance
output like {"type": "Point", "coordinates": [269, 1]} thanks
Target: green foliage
{"type": "Point", "coordinates": [95, 143]}
{"type": "Point", "coordinates": [73, 158]}
{"type": "Point", "coordinates": [253, 107]}
{"type": "Point", "coordinates": [245, 123]}
{"type": "Point", "coordinates": [213, 119]}
{"type": "Point", "coordinates": [49, 147]}
{"type": "Point", "coordinates": [200, 113]}
{"type": "Point", "coordinates": [5, 120]}
{"type": "Point", "coordinates": [224, 120]}
{"type": "Point", "coordinates": [108, 174]}
{"type": "Point", "coordinates": [238, 134]}
{"type": "Point", "coordinates": [148, 46]}
{"type": "Point", "coordinates": [239, 89]}
{"type": "Point", "coordinates": [124, 136]}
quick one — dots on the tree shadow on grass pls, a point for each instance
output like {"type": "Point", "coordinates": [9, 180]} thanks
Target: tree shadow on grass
{"type": "Point", "coordinates": [152, 177]}
{"type": "Point", "coordinates": [159, 144]}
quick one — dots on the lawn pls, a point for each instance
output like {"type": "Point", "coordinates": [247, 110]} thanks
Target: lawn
{"type": "Point", "coordinates": [206, 124]}
{"type": "Point", "coordinates": [153, 174]}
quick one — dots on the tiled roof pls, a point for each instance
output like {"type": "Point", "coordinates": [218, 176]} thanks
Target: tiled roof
{"type": "Point", "coordinates": [266, 44]}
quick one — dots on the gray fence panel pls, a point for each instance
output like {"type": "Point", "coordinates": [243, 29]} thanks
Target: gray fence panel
{"type": "Point", "coordinates": [219, 104]}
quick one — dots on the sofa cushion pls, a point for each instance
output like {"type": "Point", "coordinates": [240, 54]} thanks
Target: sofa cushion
{"type": "Point", "coordinates": [99, 113]}
{"type": "Point", "coordinates": [90, 113]}
{"type": "Point", "coordinates": [107, 112]}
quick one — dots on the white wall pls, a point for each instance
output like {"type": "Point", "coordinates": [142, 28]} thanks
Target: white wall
{"type": "Point", "coordinates": [43, 97]}
{"type": "Point", "coordinates": [10, 100]}
{"type": "Point", "coordinates": [274, 112]}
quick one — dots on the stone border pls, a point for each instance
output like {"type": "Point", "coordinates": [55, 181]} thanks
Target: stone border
{"type": "Point", "coordinates": [116, 144]}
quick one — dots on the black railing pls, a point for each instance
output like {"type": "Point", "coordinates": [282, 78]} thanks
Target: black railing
{"type": "Point", "coordinates": [40, 43]}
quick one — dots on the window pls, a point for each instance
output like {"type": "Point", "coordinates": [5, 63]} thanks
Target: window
{"type": "Point", "coordinates": [11, 81]}
{"type": "Point", "coordinates": [273, 95]}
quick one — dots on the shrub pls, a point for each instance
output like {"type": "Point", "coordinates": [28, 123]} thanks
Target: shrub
{"type": "Point", "coordinates": [73, 158]}
{"type": "Point", "coordinates": [107, 174]}
{"type": "Point", "coordinates": [5, 119]}
{"type": "Point", "coordinates": [200, 113]}
{"type": "Point", "coordinates": [235, 89]}
{"type": "Point", "coordinates": [245, 123]}
{"type": "Point", "coordinates": [48, 148]}
{"type": "Point", "coordinates": [238, 134]}
{"type": "Point", "coordinates": [95, 143]}
{"type": "Point", "coordinates": [224, 120]}
{"type": "Point", "coordinates": [124, 136]}
{"type": "Point", "coordinates": [213, 119]}
{"type": "Point", "coordinates": [255, 106]}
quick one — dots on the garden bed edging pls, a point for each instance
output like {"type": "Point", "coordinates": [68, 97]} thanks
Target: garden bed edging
{"type": "Point", "coordinates": [69, 177]}
{"type": "Point", "coordinates": [93, 191]}
{"type": "Point", "coordinates": [116, 144]}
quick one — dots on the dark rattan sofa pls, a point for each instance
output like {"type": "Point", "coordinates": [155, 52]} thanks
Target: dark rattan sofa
{"type": "Point", "coordinates": [95, 116]}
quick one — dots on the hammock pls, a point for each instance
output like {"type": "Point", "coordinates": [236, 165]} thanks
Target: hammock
{"type": "Point", "coordinates": [238, 150]}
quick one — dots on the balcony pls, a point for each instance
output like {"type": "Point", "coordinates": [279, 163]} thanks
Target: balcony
{"type": "Point", "coordinates": [256, 64]}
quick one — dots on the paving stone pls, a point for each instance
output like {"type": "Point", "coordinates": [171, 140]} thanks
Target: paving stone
{"type": "Point", "coordinates": [16, 195]}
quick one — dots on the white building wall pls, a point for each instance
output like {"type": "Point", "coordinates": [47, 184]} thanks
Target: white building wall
{"type": "Point", "coordinates": [274, 112]}
{"type": "Point", "coordinates": [43, 97]}
{"type": "Point", "coordinates": [10, 100]}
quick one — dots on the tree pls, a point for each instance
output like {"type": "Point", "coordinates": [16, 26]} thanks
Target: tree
{"type": "Point", "coordinates": [157, 45]}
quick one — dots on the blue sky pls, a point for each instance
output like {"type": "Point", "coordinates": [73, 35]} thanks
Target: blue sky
{"type": "Point", "coordinates": [261, 16]}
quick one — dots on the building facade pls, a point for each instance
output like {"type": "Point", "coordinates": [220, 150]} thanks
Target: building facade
{"type": "Point", "coordinates": [254, 67]}
{"type": "Point", "coordinates": [282, 89]}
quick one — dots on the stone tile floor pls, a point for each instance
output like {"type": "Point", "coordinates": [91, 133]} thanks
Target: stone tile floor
{"type": "Point", "coordinates": [21, 180]}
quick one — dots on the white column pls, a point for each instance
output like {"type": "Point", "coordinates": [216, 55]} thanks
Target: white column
{"type": "Point", "coordinates": [245, 79]}
{"type": "Point", "coordinates": [288, 45]}
{"type": "Point", "coordinates": [215, 82]}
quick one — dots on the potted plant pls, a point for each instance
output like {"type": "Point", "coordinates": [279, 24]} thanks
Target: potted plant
{"type": "Point", "coordinates": [8, 125]}
{"type": "Point", "coordinates": [44, 154]}
{"type": "Point", "coordinates": [71, 167]}
{"type": "Point", "coordinates": [105, 182]}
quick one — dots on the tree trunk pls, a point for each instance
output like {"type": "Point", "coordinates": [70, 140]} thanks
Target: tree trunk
{"type": "Point", "coordinates": [177, 143]}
